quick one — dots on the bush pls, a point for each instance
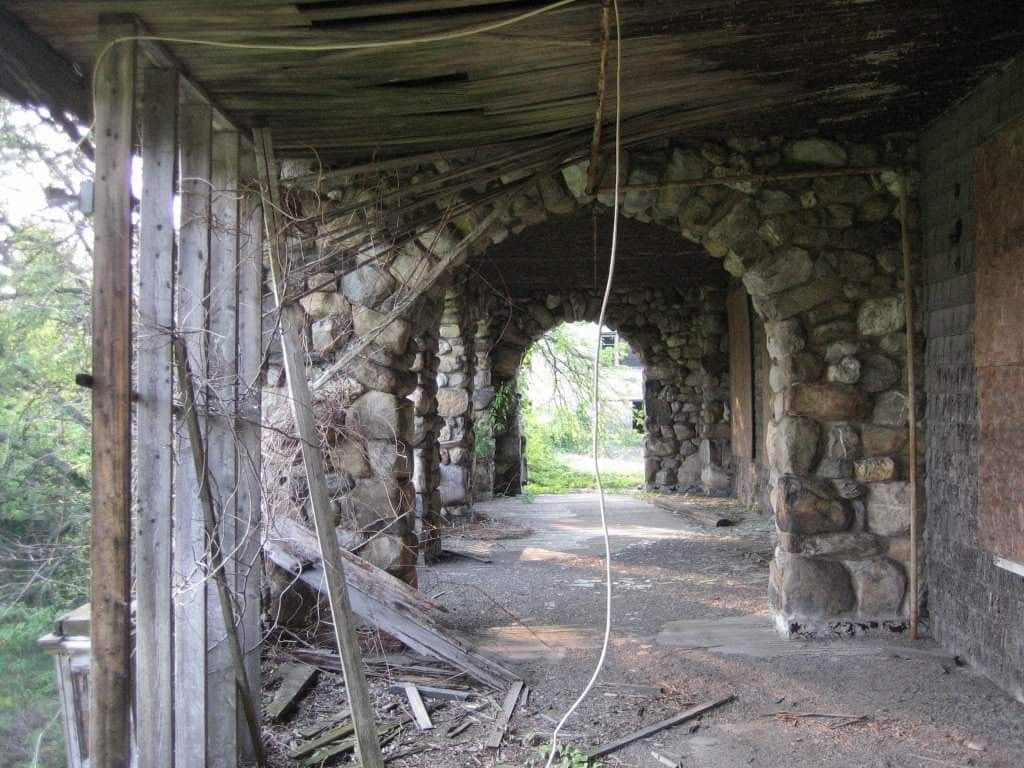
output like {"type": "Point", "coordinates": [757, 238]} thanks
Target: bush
{"type": "Point", "coordinates": [28, 690]}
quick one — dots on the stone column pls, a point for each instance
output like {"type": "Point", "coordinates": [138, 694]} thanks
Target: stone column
{"type": "Point", "coordinates": [483, 418]}
{"type": "Point", "coordinates": [426, 455]}
{"type": "Point", "coordinates": [454, 381]}
{"type": "Point", "coordinates": [715, 432]}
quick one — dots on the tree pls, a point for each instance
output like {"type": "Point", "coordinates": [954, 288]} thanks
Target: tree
{"type": "Point", "coordinates": [44, 419]}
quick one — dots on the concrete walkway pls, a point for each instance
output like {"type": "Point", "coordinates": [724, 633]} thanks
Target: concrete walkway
{"type": "Point", "coordinates": [691, 617]}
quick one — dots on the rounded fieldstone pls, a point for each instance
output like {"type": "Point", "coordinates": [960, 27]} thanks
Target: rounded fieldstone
{"type": "Point", "coordinates": [806, 588]}
{"type": "Point", "coordinates": [880, 586]}
{"type": "Point", "coordinates": [808, 506]}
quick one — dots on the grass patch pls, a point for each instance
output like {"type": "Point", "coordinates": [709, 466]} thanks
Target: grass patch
{"type": "Point", "coordinates": [28, 690]}
{"type": "Point", "coordinates": [554, 476]}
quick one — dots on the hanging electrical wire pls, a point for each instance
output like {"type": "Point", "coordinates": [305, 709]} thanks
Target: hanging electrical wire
{"type": "Point", "coordinates": [597, 400]}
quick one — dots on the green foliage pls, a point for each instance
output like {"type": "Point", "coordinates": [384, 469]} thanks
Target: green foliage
{"type": "Point", "coordinates": [496, 420]}
{"type": "Point", "coordinates": [560, 421]}
{"type": "Point", "coordinates": [44, 422]}
{"type": "Point", "coordinates": [569, 756]}
{"type": "Point", "coordinates": [28, 700]}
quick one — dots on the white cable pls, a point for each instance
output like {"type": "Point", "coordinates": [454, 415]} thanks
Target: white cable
{"type": "Point", "coordinates": [597, 404]}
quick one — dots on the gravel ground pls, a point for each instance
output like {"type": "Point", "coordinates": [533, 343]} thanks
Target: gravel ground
{"type": "Point", "coordinates": [540, 606]}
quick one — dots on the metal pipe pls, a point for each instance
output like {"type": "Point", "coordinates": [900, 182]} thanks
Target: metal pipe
{"type": "Point", "coordinates": [908, 303]}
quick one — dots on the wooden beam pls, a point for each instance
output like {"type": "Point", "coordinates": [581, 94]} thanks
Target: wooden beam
{"type": "Point", "coordinates": [110, 551]}
{"type": "Point", "coordinates": [154, 630]}
{"type": "Point", "coordinates": [291, 322]}
{"type": "Point", "coordinates": [157, 53]}
{"type": "Point", "coordinates": [32, 73]}
{"type": "Point", "coordinates": [501, 722]}
{"type": "Point", "coordinates": [250, 362]}
{"type": "Point", "coordinates": [189, 537]}
{"type": "Point", "coordinates": [221, 376]}
{"type": "Point", "coordinates": [214, 563]}
{"type": "Point", "coordinates": [594, 169]}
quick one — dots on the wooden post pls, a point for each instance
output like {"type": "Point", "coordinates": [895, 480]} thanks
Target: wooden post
{"type": "Point", "coordinates": [291, 321]}
{"type": "Point", "coordinates": [250, 362]}
{"type": "Point", "coordinates": [110, 552]}
{"type": "Point", "coordinates": [189, 536]}
{"type": "Point", "coordinates": [221, 374]}
{"type": "Point", "coordinates": [153, 603]}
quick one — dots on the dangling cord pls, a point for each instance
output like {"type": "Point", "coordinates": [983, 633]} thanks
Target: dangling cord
{"type": "Point", "coordinates": [597, 405]}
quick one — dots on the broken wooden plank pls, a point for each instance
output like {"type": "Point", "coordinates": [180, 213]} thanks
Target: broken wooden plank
{"type": "Point", "coordinates": [474, 550]}
{"type": "Point", "coordinates": [399, 611]}
{"type": "Point", "coordinates": [432, 692]}
{"type": "Point", "coordinates": [650, 730]}
{"type": "Point", "coordinates": [301, 543]}
{"type": "Point", "coordinates": [455, 730]}
{"type": "Point", "coordinates": [296, 679]}
{"type": "Point", "coordinates": [507, 708]}
{"type": "Point", "coordinates": [419, 712]}
{"type": "Point", "coordinates": [319, 727]}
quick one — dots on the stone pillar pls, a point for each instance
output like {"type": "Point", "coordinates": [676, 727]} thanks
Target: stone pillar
{"type": "Point", "coordinates": [454, 406]}
{"type": "Point", "coordinates": [483, 419]}
{"type": "Point", "coordinates": [715, 432]}
{"type": "Point", "coordinates": [426, 455]}
{"type": "Point", "coordinates": [509, 440]}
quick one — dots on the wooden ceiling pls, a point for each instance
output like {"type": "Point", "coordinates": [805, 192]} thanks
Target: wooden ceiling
{"type": "Point", "coordinates": [559, 254]}
{"type": "Point", "coordinates": [692, 67]}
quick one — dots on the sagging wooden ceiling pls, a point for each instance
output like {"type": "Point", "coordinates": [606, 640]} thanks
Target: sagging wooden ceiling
{"type": "Point", "coordinates": [562, 253]}
{"type": "Point", "coordinates": [694, 67]}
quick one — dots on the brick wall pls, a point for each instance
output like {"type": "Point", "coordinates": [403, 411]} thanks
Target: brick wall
{"type": "Point", "coordinates": [976, 609]}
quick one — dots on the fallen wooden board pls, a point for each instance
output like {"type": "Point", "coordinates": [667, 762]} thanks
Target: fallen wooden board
{"type": "Point", "coordinates": [650, 730]}
{"type": "Point", "coordinates": [295, 681]}
{"type": "Point", "coordinates": [474, 550]}
{"type": "Point", "coordinates": [501, 723]}
{"type": "Point", "coordinates": [711, 517]}
{"type": "Point", "coordinates": [376, 600]}
{"type": "Point", "coordinates": [419, 712]}
{"type": "Point", "coordinates": [430, 692]}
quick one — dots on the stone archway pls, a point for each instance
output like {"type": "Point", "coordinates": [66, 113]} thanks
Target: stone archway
{"type": "Point", "coordinates": [669, 332]}
{"type": "Point", "coordinates": [820, 259]}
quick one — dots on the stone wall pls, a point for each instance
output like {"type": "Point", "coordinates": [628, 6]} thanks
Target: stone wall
{"type": "Point", "coordinates": [976, 609]}
{"type": "Point", "coordinates": [819, 257]}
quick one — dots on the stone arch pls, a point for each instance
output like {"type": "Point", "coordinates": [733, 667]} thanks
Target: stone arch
{"type": "Point", "coordinates": [820, 260]}
{"type": "Point", "coordinates": [674, 384]}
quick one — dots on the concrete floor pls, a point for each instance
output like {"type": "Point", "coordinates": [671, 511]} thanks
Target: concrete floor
{"type": "Point", "coordinates": [690, 616]}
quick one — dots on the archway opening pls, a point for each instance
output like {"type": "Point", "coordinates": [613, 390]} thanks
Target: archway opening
{"type": "Point", "coordinates": [555, 385]}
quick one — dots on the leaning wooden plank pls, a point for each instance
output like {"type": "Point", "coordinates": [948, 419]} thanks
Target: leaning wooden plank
{"type": "Point", "coordinates": [650, 730]}
{"type": "Point", "coordinates": [295, 681]}
{"type": "Point", "coordinates": [507, 708]}
{"type": "Point", "coordinates": [292, 325]}
{"type": "Point", "coordinates": [412, 627]}
{"type": "Point", "coordinates": [215, 558]}
{"type": "Point", "coordinates": [419, 712]}
{"type": "Point", "coordinates": [360, 574]}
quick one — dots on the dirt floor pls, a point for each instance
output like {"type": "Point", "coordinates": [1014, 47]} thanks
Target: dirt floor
{"type": "Point", "coordinates": [690, 619]}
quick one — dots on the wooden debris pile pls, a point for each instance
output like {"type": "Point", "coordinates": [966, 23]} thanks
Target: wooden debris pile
{"type": "Point", "coordinates": [415, 698]}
